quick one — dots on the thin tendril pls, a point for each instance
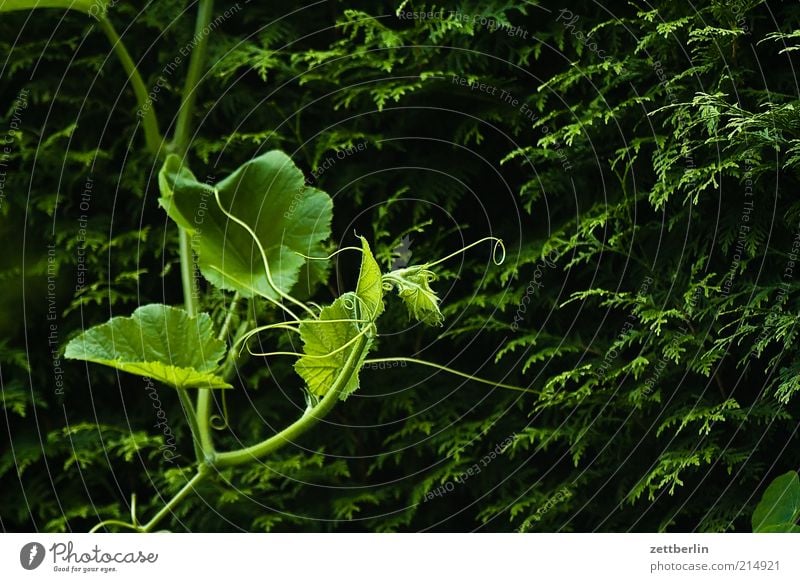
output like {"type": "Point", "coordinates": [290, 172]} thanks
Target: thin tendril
{"type": "Point", "coordinates": [362, 307]}
{"type": "Point", "coordinates": [498, 246]}
{"type": "Point", "coordinates": [451, 371]}
{"type": "Point", "coordinates": [336, 351]}
{"type": "Point", "coordinates": [280, 325]}
{"type": "Point", "coordinates": [218, 422]}
{"type": "Point", "coordinates": [289, 326]}
{"type": "Point", "coordinates": [116, 522]}
{"type": "Point", "coordinates": [330, 256]}
{"type": "Point", "coordinates": [249, 230]}
{"type": "Point", "coordinates": [270, 354]}
{"type": "Point", "coordinates": [291, 313]}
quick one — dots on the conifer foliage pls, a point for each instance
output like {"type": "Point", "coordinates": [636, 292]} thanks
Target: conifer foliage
{"type": "Point", "coordinates": [556, 249]}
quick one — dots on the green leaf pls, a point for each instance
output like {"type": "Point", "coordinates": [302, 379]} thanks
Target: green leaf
{"type": "Point", "coordinates": [779, 508]}
{"type": "Point", "coordinates": [269, 195]}
{"type": "Point", "coordinates": [157, 341]}
{"type": "Point", "coordinates": [93, 7]}
{"type": "Point", "coordinates": [370, 284]}
{"type": "Point", "coordinates": [322, 363]}
{"type": "Point", "coordinates": [190, 208]}
{"type": "Point", "coordinates": [413, 287]}
{"type": "Point", "coordinates": [780, 528]}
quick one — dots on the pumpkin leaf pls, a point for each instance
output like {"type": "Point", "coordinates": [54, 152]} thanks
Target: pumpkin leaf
{"type": "Point", "coordinates": [158, 341]}
{"type": "Point", "coordinates": [413, 287]}
{"type": "Point", "coordinates": [323, 346]}
{"type": "Point", "coordinates": [269, 195]}
{"type": "Point", "coordinates": [370, 284]}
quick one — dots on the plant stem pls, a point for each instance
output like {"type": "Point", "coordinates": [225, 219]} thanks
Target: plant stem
{"type": "Point", "coordinates": [301, 425]}
{"type": "Point", "coordinates": [180, 145]}
{"type": "Point", "coordinates": [152, 134]}
{"type": "Point", "coordinates": [189, 284]}
{"type": "Point", "coordinates": [228, 366]}
{"type": "Point", "coordinates": [117, 522]}
{"type": "Point", "coordinates": [188, 280]}
{"type": "Point", "coordinates": [204, 394]}
{"type": "Point", "coordinates": [275, 442]}
{"type": "Point", "coordinates": [191, 418]}
{"type": "Point", "coordinates": [196, 65]}
{"type": "Point", "coordinates": [226, 325]}
{"type": "Point", "coordinates": [154, 140]}
{"type": "Point", "coordinates": [201, 439]}
{"type": "Point", "coordinates": [204, 422]}
{"type": "Point", "coordinates": [172, 503]}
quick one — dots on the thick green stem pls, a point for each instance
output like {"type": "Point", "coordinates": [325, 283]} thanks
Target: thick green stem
{"type": "Point", "coordinates": [226, 325]}
{"type": "Point", "coordinates": [180, 145]}
{"type": "Point", "coordinates": [116, 522]}
{"type": "Point", "coordinates": [204, 395]}
{"type": "Point", "coordinates": [188, 278]}
{"type": "Point", "coordinates": [227, 367]}
{"type": "Point", "coordinates": [172, 503]}
{"type": "Point", "coordinates": [152, 134]}
{"type": "Point", "coordinates": [190, 302]}
{"type": "Point", "coordinates": [191, 418]}
{"type": "Point", "coordinates": [180, 141]}
{"type": "Point", "coordinates": [204, 422]}
{"type": "Point", "coordinates": [196, 65]}
{"type": "Point", "coordinates": [286, 436]}
{"type": "Point", "coordinates": [309, 419]}
{"type": "Point", "coordinates": [154, 141]}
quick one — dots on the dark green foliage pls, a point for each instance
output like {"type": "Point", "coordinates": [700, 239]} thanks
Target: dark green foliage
{"type": "Point", "coordinates": [645, 189]}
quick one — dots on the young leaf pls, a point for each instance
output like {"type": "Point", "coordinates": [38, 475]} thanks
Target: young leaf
{"type": "Point", "coordinates": [779, 508]}
{"type": "Point", "coordinates": [370, 285]}
{"type": "Point", "coordinates": [322, 344]}
{"type": "Point", "coordinates": [158, 341]}
{"type": "Point", "coordinates": [413, 287]}
{"type": "Point", "coordinates": [269, 195]}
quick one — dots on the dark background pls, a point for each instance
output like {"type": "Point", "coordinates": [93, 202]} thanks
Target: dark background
{"type": "Point", "coordinates": [653, 143]}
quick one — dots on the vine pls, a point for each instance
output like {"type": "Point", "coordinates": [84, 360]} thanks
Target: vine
{"type": "Point", "coordinates": [179, 347]}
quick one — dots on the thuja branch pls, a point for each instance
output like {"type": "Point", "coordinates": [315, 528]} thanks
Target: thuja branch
{"type": "Point", "coordinates": [152, 134]}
